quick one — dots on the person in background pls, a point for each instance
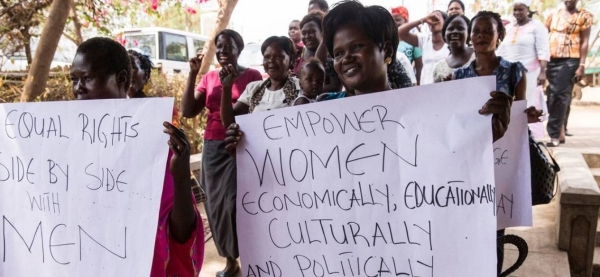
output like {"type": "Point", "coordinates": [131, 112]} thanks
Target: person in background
{"type": "Point", "coordinates": [101, 70]}
{"type": "Point", "coordinates": [318, 6]}
{"type": "Point", "coordinates": [527, 42]}
{"type": "Point", "coordinates": [433, 45]}
{"type": "Point", "coordinates": [312, 77]}
{"type": "Point", "coordinates": [456, 7]}
{"type": "Point", "coordinates": [141, 68]}
{"type": "Point", "coordinates": [218, 170]}
{"type": "Point", "coordinates": [456, 35]}
{"type": "Point", "coordinates": [296, 36]}
{"type": "Point", "coordinates": [312, 36]}
{"type": "Point", "coordinates": [569, 29]}
{"type": "Point", "coordinates": [278, 91]}
{"type": "Point", "coordinates": [414, 54]}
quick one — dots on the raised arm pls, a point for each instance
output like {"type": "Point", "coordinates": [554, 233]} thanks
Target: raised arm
{"type": "Point", "coordinates": [192, 101]}
{"type": "Point", "coordinates": [405, 35]}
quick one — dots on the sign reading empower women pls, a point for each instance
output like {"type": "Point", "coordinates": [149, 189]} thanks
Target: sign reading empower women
{"type": "Point", "coordinates": [80, 186]}
{"type": "Point", "coordinates": [388, 184]}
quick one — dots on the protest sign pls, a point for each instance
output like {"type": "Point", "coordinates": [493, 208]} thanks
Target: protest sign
{"type": "Point", "coordinates": [513, 172]}
{"type": "Point", "coordinates": [81, 184]}
{"type": "Point", "coordinates": [387, 184]}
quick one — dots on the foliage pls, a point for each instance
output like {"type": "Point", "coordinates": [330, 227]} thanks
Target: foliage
{"type": "Point", "coordinates": [59, 88]}
{"type": "Point", "coordinates": [19, 22]}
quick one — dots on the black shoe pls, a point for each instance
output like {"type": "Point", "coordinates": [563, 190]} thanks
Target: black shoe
{"type": "Point", "coordinates": [568, 134]}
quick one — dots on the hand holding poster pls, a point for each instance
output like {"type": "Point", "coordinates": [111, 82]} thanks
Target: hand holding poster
{"type": "Point", "coordinates": [512, 171]}
{"type": "Point", "coordinates": [81, 184]}
{"type": "Point", "coordinates": [385, 184]}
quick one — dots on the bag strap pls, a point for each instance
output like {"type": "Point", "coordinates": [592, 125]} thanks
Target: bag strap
{"type": "Point", "coordinates": [513, 78]}
{"type": "Point", "coordinates": [554, 163]}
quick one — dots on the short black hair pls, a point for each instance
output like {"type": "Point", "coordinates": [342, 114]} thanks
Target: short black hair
{"type": "Point", "coordinates": [462, 5]}
{"type": "Point", "coordinates": [145, 63]}
{"type": "Point", "coordinates": [376, 23]}
{"type": "Point", "coordinates": [496, 17]}
{"type": "Point", "coordinates": [316, 17]}
{"type": "Point", "coordinates": [321, 3]}
{"type": "Point", "coordinates": [444, 14]}
{"type": "Point", "coordinates": [285, 43]}
{"type": "Point", "coordinates": [107, 55]}
{"type": "Point", "coordinates": [237, 38]}
{"type": "Point", "coordinates": [450, 19]}
{"type": "Point", "coordinates": [315, 63]}
{"type": "Point", "coordinates": [295, 21]}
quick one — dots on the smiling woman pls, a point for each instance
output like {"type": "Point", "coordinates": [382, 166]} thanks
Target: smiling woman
{"type": "Point", "coordinates": [456, 35]}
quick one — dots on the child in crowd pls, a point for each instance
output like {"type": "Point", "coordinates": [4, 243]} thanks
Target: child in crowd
{"type": "Point", "coordinates": [312, 78]}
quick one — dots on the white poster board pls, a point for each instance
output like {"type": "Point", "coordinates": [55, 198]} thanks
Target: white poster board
{"type": "Point", "coordinates": [513, 172]}
{"type": "Point", "coordinates": [81, 185]}
{"type": "Point", "coordinates": [392, 183]}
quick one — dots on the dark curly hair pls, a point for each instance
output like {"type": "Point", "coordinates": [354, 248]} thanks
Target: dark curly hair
{"type": "Point", "coordinates": [237, 38]}
{"type": "Point", "coordinates": [285, 43]}
{"type": "Point", "coordinates": [316, 17]}
{"type": "Point", "coordinates": [107, 55]}
{"type": "Point", "coordinates": [375, 22]}
{"type": "Point", "coordinates": [450, 19]}
{"type": "Point", "coordinates": [145, 63]}
{"type": "Point", "coordinates": [494, 16]}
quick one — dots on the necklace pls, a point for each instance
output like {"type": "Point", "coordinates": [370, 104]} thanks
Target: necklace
{"type": "Point", "coordinates": [514, 39]}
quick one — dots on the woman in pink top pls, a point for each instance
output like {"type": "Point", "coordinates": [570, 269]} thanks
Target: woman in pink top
{"type": "Point", "coordinates": [218, 168]}
{"type": "Point", "coordinates": [179, 244]}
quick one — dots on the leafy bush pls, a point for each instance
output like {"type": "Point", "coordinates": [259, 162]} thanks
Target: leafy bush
{"type": "Point", "coordinates": [58, 88]}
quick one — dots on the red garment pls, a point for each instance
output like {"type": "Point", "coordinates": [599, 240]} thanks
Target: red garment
{"type": "Point", "coordinates": [401, 11]}
{"type": "Point", "coordinates": [211, 85]}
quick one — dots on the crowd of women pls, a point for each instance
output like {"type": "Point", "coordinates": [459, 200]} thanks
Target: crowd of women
{"type": "Point", "coordinates": [344, 51]}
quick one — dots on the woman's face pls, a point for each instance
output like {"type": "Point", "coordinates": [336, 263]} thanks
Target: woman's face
{"type": "Point", "coordinates": [294, 32]}
{"type": "Point", "coordinates": [227, 51]}
{"type": "Point", "coordinates": [455, 8]}
{"type": "Point", "coordinates": [398, 19]}
{"type": "Point", "coordinates": [276, 62]}
{"type": "Point", "coordinates": [138, 76]}
{"type": "Point", "coordinates": [358, 61]}
{"type": "Point", "coordinates": [484, 35]}
{"type": "Point", "coordinates": [457, 33]}
{"type": "Point", "coordinates": [571, 4]}
{"type": "Point", "coordinates": [311, 36]}
{"type": "Point", "coordinates": [90, 83]}
{"type": "Point", "coordinates": [437, 27]}
{"type": "Point", "coordinates": [520, 12]}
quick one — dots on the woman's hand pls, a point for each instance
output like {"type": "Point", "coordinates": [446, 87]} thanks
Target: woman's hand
{"type": "Point", "coordinates": [579, 73]}
{"type": "Point", "coordinates": [499, 106]}
{"type": "Point", "coordinates": [533, 114]}
{"type": "Point", "coordinates": [233, 135]}
{"type": "Point", "coordinates": [431, 19]}
{"type": "Point", "coordinates": [541, 80]}
{"type": "Point", "coordinates": [196, 62]}
{"type": "Point", "coordinates": [179, 165]}
{"type": "Point", "coordinates": [228, 75]}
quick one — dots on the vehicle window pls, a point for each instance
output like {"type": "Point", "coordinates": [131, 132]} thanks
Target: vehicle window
{"type": "Point", "coordinates": [175, 47]}
{"type": "Point", "coordinates": [198, 45]}
{"type": "Point", "coordinates": [144, 43]}
{"type": "Point", "coordinates": [251, 56]}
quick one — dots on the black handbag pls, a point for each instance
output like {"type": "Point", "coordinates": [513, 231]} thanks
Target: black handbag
{"type": "Point", "coordinates": [543, 173]}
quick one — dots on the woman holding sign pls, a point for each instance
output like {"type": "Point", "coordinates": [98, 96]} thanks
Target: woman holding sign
{"type": "Point", "coordinates": [218, 169]}
{"type": "Point", "coordinates": [361, 41]}
{"type": "Point", "coordinates": [101, 70]}
{"type": "Point", "coordinates": [487, 32]}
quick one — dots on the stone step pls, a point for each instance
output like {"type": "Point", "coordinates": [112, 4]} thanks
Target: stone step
{"type": "Point", "coordinates": [596, 173]}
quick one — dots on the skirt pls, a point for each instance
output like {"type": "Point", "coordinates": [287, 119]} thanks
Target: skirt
{"type": "Point", "coordinates": [219, 181]}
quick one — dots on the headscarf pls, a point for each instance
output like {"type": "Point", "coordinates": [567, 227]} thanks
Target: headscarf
{"type": "Point", "coordinates": [401, 11]}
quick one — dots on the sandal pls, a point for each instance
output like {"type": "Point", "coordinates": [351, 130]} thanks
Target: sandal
{"type": "Point", "coordinates": [553, 143]}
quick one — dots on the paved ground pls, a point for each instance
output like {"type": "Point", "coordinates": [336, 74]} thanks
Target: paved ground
{"type": "Point", "coordinates": [544, 258]}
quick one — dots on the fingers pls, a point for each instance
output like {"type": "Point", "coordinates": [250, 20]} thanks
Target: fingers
{"type": "Point", "coordinates": [178, 140]}
{"type": "Point", "coordinates": [232, 137]}
{"type": "Point", "coordinates": [498, 104]}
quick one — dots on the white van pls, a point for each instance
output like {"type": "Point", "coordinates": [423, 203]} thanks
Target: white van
{"type": "Point", "coordinates": [169, 49]}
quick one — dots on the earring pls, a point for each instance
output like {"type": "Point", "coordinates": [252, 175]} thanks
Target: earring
{"type": "Point", "coordinates": [388, 60]}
